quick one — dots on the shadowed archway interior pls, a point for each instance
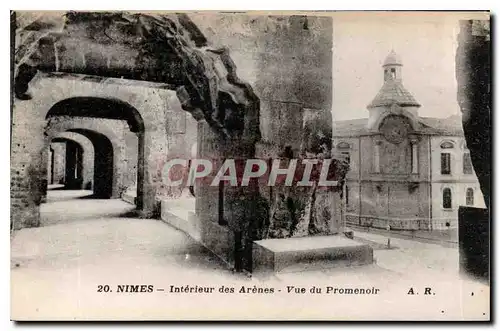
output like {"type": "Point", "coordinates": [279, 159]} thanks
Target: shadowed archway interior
{"type": "Point", "coordinates": [73, 178]}
{"type": "Point", "coordinates": [108, 108]}
{"type": "Point", "coordinates": [99, 108]}
{"type": "Point", "coordinates": [103, 162]}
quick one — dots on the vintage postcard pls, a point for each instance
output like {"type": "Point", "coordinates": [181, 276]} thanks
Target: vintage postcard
{"type": "Point", "coordinates": [256, 166]}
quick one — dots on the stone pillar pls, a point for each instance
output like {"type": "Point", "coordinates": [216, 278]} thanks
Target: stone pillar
{"type": "Point", "coordinates": [28, 166]}
{"type": "Point", "coordinates": [209, 148]}
{"type": "Point", "coordinates": [376, 156]}
{"type": "Point", "coordinates": [49, 165]}
{"type": "Point", "coordinates": [145, 182]}
{"type": "Point", "coordinates": [414, 155]}
{"type": "Point", "coordinates": [74, 163]}
{"type": "Point", "coordinates": [131, 149]}
{"type": "Point", "coordinates": [59, 162]}
{"type": "Point", "coordinates": [88, 163]}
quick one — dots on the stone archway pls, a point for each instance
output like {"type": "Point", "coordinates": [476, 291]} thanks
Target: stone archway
{"type": "Point", "coordinates": [87, 158]}
{"type": "Point", "coordinates": [111, 109]}
{"type": "Point", "coordinates": [164, 48]}
{"type": "Point", "coordinates": [89, 127]}
{"type": "Point", "coordinates": [167, 49]}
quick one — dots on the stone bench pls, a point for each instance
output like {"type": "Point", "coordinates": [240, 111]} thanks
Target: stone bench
{"type": "Point", "coordinates": [274, 255]}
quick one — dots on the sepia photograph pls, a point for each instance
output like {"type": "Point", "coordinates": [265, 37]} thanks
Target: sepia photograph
{"type": "Point", "coordinates": [250, 166]}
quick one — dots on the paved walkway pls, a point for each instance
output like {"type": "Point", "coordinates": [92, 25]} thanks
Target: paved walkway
{"type": "Point", "coordinates": [409, 256]}
{"type": "Point", "coordinates": [447, 238]}
{"type": "Point", "coordinates": [84, 244]}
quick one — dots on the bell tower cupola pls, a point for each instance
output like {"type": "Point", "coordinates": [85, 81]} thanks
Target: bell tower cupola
{"type": "Point", "coordinates": [392, 67]}
{"type": "Point", "coordinates": [393, 96]}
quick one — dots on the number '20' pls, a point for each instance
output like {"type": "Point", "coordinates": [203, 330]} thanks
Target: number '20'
{"type": "Point", "coordinates": [103, 288]}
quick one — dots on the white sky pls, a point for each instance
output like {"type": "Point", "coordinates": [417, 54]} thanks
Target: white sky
{"type": "Point", "coordinates": [426, 43]}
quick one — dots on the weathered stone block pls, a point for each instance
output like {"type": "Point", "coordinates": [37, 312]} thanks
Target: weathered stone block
{"type": "Point", "coordinates": [276, 254]}
{"type": "Point", "coordinates": [220, 240]}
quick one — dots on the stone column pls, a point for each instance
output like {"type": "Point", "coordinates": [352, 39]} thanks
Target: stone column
{"type": "Point", "coordinates": [28, 166]}
{"type": "Point", "coordinates": [414, 155]}
{"type": "Point", "coordinates": [73, 180]}
{"type": "Point", "coordinates": [376, 156]}
{"type": "Point", "coordinates": [59, 162]}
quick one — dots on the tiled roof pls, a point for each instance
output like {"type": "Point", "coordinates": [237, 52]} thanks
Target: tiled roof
{"type": "Point", "coordinates": [447, 126]}
{"type": "Point", "coordinates": [428, 125]}
{"type": "Point", "coordinates": [393, 92]}
{"type": "Point", "coordinates": [350, 127]}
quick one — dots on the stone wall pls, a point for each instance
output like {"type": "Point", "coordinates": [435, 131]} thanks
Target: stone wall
{"type": "Point", "coordinates": [286, 59]}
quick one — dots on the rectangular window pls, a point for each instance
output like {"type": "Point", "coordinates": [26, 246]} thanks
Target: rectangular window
{"type": "Point", "coordinates": [445, 163]}
{"type": "Point", "coordinates": [447, 198]}
{"type": "Point", "coordinates": [467, 164]}
{"type": "Point", "coordinates": [469, 197]}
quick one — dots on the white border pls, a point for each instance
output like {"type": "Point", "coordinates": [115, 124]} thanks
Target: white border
{"type": "Point", "coordinates": [193, 5]}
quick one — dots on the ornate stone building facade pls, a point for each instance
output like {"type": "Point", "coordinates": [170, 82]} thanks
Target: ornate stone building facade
{"type": "Point", "coordinates": [406, 171]}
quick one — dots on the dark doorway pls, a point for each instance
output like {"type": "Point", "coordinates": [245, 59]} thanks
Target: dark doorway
{"type": "Point", "coordinates": [74, 166]}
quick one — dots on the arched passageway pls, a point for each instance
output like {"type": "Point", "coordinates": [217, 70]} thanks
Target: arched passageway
{"type": "Point", "coordinates": [87, 158]}
{"type": "Point", "coordinates": [105, 168]}
{"type": "Point", "coordinates": [205, 81]}
{"type": "Point", "coordinates": [73, 165]}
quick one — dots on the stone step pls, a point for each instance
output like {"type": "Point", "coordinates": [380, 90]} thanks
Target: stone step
{"type": "Point", "coordinates": [129, 197]}
{"type": "Point", "coordinates": [274, 255]}
{"type": "Point", "coordinates": [180, 218]}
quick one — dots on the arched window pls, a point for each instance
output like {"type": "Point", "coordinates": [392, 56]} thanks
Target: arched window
{"type": "Point", "coordinates": [343, 145]}
{"type": "Point", "coordinates": [447, 145]}
{"type": "Point", "coordinates": [393, 73]}
{"type": "Point", "coordinates": [447, 198]}
{"type": "Point", "coordinates": [467, 163]}
{"type": "Point", "coordinates": [469, 197]}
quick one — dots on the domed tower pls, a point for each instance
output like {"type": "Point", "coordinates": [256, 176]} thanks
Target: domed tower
{"type": "Point", "coordinates": [392, 67]}
{"type": "Point", "coordinates": [392, 95]}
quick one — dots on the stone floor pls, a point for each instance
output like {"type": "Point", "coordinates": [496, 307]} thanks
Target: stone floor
{"type": "Point", "coordinates": [57, 269]}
